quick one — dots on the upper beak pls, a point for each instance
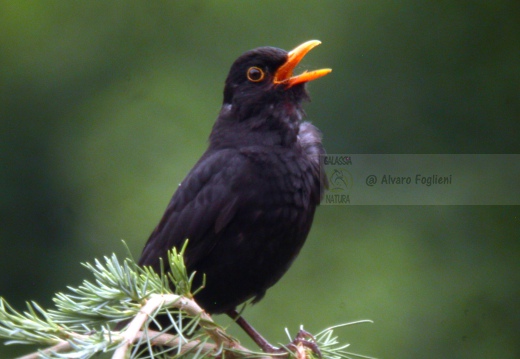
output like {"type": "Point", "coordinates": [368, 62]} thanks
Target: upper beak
{"type": "Point", "coordinates": [284, 74]}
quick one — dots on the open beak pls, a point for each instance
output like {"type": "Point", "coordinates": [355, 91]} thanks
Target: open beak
{"type": "Point", "coordinates": [284, 74]}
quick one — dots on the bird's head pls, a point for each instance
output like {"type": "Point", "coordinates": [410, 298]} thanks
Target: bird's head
{"type": "Point", "coordinates": [262, 79]}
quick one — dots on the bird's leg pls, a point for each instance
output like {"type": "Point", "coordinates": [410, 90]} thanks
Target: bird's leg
{"type": "Point", "coordinates": [252, 332]}
{"type": "Point", "coordinates": [301, 338]}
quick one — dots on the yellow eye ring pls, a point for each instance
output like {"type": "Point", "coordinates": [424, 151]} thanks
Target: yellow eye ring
{"type": "Point", "coordinates": [255, 74]}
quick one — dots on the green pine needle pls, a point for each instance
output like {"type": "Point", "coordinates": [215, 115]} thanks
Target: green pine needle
{"type": "Point", "coordinates": [122, 292]}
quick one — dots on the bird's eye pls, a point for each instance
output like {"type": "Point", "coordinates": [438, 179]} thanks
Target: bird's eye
{"type": "Point", "coordinates": [255, 74]}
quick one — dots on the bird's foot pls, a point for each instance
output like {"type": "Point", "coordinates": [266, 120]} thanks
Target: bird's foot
{"type": "Point", "coordinates": [303, 340]}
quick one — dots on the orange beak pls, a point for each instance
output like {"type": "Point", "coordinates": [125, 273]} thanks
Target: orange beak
{"type": "Point", "coordinates": [284, 74]}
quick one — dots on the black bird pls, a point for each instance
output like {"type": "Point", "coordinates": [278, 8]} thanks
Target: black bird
{"type": "Point", "coordinates": [248, 204]}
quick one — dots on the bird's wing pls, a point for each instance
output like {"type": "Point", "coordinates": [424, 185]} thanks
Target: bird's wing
{"type": "Point", "coordinates": [201, 207]}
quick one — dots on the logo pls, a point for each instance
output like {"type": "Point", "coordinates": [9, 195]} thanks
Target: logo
{"type": "Point", "coordinates": [340, 180]}
{"type": "Point", "coordinates": [339, 177]}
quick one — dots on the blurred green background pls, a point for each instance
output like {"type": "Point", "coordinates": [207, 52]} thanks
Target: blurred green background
{"type": "Point", "coordinates": [105, 106]}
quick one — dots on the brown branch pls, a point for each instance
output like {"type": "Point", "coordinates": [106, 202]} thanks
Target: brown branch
{"type": "Point", "coordinates": [156, 338]}
{"type": "Point", "coordinates": [130, 334]}
{"type": "Point", "coordinates": [134, 333]}
{"type": "Point", "coordinates": [58, 348]}
{"type": "Point", "coordinates": [156, 301]}
{"type": "Point", "coordinates": [162, 339]}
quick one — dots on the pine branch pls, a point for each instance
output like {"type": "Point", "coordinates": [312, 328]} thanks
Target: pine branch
{"type": "Point", "coordinates": [80, 325]}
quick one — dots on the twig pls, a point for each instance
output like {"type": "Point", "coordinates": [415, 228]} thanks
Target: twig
{"type": "Point", "coordinates": [134, 333]}
{"type": "Point", "coordinates": [157, 338]}
{"type": "Point", "coordinates": [207, 323]}
{"type": "Point", "coordinates": [157, 301]}
{"type": "Point", "coordinates": [129, 335]}
{"type": "Point", "coordinates": [58, 348]}
{"type": "Point", "coordinates": [62, 347]}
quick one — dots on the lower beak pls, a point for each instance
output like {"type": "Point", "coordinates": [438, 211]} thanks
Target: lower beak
{"type": "Point", "coordinates": [284, 74]}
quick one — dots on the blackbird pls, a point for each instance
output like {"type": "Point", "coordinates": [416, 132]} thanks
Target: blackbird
{"type": "Point", "coordinates": [248, 203]}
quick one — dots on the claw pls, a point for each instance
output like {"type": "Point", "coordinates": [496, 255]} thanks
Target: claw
{"type": "Point", "coordinates": [302, 340]}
